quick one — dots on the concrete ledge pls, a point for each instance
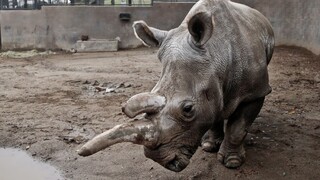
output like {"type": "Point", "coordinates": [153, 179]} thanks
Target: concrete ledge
{"type": "Point", "coordinates": [97, 45]}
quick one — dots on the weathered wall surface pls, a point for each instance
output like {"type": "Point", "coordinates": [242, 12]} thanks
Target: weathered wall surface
{"type": "Point", "coordinates": [23, 29]}
{"type": "Point", "coordinates": [295, 22]}
{"type": "Point", "coordinates": [60, 27]}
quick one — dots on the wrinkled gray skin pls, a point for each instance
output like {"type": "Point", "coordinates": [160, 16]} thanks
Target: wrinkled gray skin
{"type": "Point", "coordinates": [214, 68]}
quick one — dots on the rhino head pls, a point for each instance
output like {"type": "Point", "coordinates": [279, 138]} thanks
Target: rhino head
{"type": "Point", "coordinates": [183, 104]}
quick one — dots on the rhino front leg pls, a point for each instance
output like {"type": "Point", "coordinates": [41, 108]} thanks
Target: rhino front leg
{"type": "Point", "coordinates": [231, 152]}
{"type": "Point", "coordinates": [213, 138]}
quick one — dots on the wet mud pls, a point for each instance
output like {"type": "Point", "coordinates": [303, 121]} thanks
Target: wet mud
{"type": "Point", "coordinates": [17, 164]}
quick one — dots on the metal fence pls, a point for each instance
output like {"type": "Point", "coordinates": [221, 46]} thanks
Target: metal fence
{"type": "Point", "coordinates": [37, 4]}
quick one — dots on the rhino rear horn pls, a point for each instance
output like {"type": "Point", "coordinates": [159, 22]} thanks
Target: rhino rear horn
{"type": "Point", "coordinates": [143, 103]}
{"type": "Point", "coordinates": [149, 36]}
{"type": "Point", "coordinates": [200, 27]}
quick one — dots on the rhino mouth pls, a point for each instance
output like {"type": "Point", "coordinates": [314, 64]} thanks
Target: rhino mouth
{"type": "Point", "coordinates": [176, 161]}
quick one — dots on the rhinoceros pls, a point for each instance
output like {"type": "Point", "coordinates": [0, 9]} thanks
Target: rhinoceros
{"type": "Point", "coordinates": [212, 86]}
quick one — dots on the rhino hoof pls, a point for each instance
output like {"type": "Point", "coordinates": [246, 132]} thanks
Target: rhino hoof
{"type": "Point", "coordinates": [211, 146]}
{"type": "Point", "coordinates": [233, 163]}
{"type": "Point", "coordinates": [232, 160]}
{"type": "Point", "coordinates": [207, 146]}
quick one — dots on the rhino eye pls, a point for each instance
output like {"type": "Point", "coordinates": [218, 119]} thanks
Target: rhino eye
{"type": "Point", "coordinates": [188, 111]}
{"type": "Point", "coordinates": [187, 108]}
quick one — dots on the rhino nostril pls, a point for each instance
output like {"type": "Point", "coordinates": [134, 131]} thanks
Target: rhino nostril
{"type": "Point", "coordinates": [174, 165]}
{"type": "Point", "coordinates": [177, 164]}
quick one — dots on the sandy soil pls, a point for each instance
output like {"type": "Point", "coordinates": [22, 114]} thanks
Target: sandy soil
{"type": "Point", "coordinates": [50, 107]}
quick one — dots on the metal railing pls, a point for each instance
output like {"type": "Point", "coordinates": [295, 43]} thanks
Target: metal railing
{"type": "Point", "coordinates": [37, 4]}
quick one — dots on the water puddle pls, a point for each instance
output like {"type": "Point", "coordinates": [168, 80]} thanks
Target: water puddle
{"type": "Point", "coordinates": [16, 164]}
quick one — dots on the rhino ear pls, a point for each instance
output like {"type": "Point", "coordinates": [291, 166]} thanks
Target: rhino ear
{"type": "Point", "coordinates": [149, 36]}
{"type": "Point", "coordinates": [200, 27]}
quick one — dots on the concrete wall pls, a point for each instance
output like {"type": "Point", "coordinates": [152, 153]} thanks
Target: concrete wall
{"type": "Point", "coordinates": [60, 27]}
{"type": "Point", "coordinates": [23, 29]}
{"type": "Point", "coordinates": [295, 22]}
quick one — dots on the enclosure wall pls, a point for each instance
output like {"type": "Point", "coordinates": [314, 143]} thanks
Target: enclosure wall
{"type": "Point", "coordinates": [295, 22]}
{"type": "Point", "coordinates": [60, 27]}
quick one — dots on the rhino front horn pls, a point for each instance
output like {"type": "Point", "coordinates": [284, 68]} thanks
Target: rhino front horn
{"type": "Point", "coordinates": [143, 103]}
{"type": "Point", "coordinates": [138, 132]}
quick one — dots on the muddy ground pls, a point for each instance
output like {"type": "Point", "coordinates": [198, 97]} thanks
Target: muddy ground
{"type": "Point", "coordinates": [50, 107]}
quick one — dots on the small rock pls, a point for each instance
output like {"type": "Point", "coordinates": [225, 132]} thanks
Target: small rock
{"type": "Point", "coordinates": [127, 85]}
{"type": "Point", "coordinates": [47, 158]}
{"type": "Point", "coordinates": [72, 50]}
{"type": "Point", "coordinates": [84, 88]}
{"type": "Point", "coordinates": [27, 147]}
{"type": "Point", "coordinates": [284, 174]}
{"type": "Point", "coordinates": [92, 88]}
{"type": "Point", "coordinates": [110, 90]}
{"type": "Point", "coordinates": [86, 82]}
{"type": "Point", "coordinates": [119, 91]}
{"type": "Point", "coordinates": [68, 139]}
{"type": "Point", "coordinates": [121, 85]}
{"type": "Point", "coordinates": [83, 117]}
{"type": "Point", "coordinates": [105, 84]}
{"type": "Point", "coordinates": [69, 128]}
{"type": "Point", "coordinates": [98, 88]}
{"type": "Point", "coordinates": [96, 83]}
{"type": "Point", "coordinates": [292, 112]}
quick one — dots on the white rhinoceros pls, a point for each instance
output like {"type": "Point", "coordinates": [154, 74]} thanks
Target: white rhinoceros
{"type": "Point", "coordinates": [214, 68]}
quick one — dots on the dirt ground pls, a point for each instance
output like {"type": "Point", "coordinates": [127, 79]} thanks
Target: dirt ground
{"type": "Point", "coordinates": [51, 105]}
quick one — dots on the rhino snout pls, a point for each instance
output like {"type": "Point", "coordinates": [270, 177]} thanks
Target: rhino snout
{"type": "Point", "coordinates": [174, 160]}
